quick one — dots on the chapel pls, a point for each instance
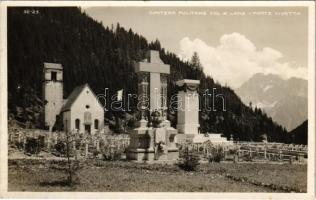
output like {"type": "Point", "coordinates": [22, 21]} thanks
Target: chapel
{"type": "Point", "coordinates": [81, 111]}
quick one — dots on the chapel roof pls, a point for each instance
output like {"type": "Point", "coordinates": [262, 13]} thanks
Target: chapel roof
{"type": "Point", "coordinates": [73, 96]}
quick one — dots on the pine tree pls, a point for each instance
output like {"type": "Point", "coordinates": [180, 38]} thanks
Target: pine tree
{"type": "Point", "coordinates": [195, 61]}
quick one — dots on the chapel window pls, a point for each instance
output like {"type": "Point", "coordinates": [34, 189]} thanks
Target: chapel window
{"type": "Point", "coordinates": [54, 76]}
{"type": "Point", "coordinates": [96, 124]}
{"type": "Point", "coordinates": [77, 124]}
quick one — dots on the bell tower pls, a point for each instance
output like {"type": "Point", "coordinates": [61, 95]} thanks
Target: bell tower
{"type": "Point", "coordinates": [52, 92]}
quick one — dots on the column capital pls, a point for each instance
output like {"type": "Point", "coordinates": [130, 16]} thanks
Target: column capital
{"type": "Point", "coordinates": [188, 85]}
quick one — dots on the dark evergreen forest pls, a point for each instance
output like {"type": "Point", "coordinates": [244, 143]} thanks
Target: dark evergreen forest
{"type": "Point", "coordinates": [103, 57]}
{"type": "Point", "coordinates": [299, 134]}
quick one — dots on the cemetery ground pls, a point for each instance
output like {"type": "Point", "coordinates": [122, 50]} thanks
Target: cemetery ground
{"type": "Point", "coordinates": [25, 174]}
{"type": "Point", "coordinates": [45, 170]}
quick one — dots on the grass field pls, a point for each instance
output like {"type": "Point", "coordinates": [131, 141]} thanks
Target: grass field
{"type": "Point", "coordinates": [105, 176]}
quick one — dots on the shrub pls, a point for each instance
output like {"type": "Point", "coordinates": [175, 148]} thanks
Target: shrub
{"type": "Point", "coordinates": [216, 155]}
{"type": "Point", "coordinates": [112, 152]}
{"type": "Point", "coordinates": [247, 158]}
{"type": "Point", "coordinates": [60, 147]}
{"type": "Point", "coordinates": [189, 159]}
{"type": "Point", "coordinates": [96, 153]}
{"type": "Point", "coordinates": [113, 148]}
{"type": "Point", "coordinates": [232, 151]}
{"type": "Point", "coordinates": [132, 123]}
{"type": "Point", "coordinates": [70, 169]}
{"type": "Point", "coordinates": [19, 145]}
{"type": "Point", "coordinates": [32, 146]}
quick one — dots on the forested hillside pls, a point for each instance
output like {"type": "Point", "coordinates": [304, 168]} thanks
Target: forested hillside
{"type": "Point", "coordinates": [103, 57]}
{"type": "Point", "coordinates": [299, 134]}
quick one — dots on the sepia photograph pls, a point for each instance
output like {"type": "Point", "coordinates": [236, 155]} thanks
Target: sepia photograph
{"type": "Point", "coordinates": [157, 97]}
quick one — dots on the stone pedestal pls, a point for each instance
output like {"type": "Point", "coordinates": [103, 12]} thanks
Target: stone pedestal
{"type": "Point", "coordinates": [188, 110]}
{"type": "Point", "coordinates": [188, 116]}
{"type": "Point", "coordinates": [215, 139]}
{"type": "Point", "coordinates": [143, 144]}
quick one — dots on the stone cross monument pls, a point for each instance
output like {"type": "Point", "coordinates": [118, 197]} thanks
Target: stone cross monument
{"type": "Point", "coordinates": [150, 143]}
{"type": "Point", "coordinates": [152, 84]}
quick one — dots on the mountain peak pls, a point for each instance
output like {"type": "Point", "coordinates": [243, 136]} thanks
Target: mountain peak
{"type": "Point", "coordinates": [285, 100]}
{"type": "Point", "coordinates": [262, 76]}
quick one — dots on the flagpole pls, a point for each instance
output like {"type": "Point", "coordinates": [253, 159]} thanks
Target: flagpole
{"type": "Point", "coordinates": [125, 123]}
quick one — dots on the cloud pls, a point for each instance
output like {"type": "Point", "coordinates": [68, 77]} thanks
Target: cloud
{"type": "Point", "coordinates": [236, 59]}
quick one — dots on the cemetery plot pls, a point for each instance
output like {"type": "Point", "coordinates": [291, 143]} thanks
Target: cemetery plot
{"type": "Point", "coordinates": [114, 147]}
{"type": "Point", "coordinates": [37, 142]}
{"type": "Point", "coordinates": [37, 164]}
{"type": "Point", "coordinates": [249, 152]}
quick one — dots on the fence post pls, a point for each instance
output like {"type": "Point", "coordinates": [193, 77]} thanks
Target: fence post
{"type": "Point", "coordinates": [19, 137]}
{"type": "Point", "coordinates": [24, 143]}
{"type": "Point", "coordinates": [48, 142]}
{"type": "Point", "coordinates": [10, 138]}
{"type": "Point", "coordinates": [56, 138]}
{"type": "Point", "coordinates": [87, 149]}
{"type": "Point", "coordinates": [98, 145]}
{"type": "Point", "coordinates": [300, 157]}
{"type": "Point", "coordinates": [74, 148]}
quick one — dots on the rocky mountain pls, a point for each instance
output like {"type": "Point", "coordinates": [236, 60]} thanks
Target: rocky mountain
{"type": "Point", "coordinates": [284, 100]}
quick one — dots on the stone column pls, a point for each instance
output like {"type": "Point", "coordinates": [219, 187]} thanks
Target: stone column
{"type": "Point", "coordinates": [143, 97]}
{"type": "Point", "coordinates": [188, 108]}
{"type": "Point", "coordinates": [155, 92]}
{"type": "Point", "coordinates": [164, 97]}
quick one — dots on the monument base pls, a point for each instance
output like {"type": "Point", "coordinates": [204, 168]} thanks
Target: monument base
{"type": "Point", "coordinates": [143, 142]}
{"type": "Point", "coordinates": [141, 155]}
{"type": "Point", "coordinates": [189, 128]}
{"type": "Point", "coordinates": [215, 139]}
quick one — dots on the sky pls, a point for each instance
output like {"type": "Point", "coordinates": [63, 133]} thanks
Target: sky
{"type": "Point", "coordinates": [233, 43]}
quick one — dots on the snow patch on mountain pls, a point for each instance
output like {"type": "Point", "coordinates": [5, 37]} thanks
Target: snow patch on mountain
{"type": "Point", "coordinates": [267, 88]}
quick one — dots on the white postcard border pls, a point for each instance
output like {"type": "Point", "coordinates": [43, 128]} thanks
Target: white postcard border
{"type": "Point", "coordinates": [114, 195]}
